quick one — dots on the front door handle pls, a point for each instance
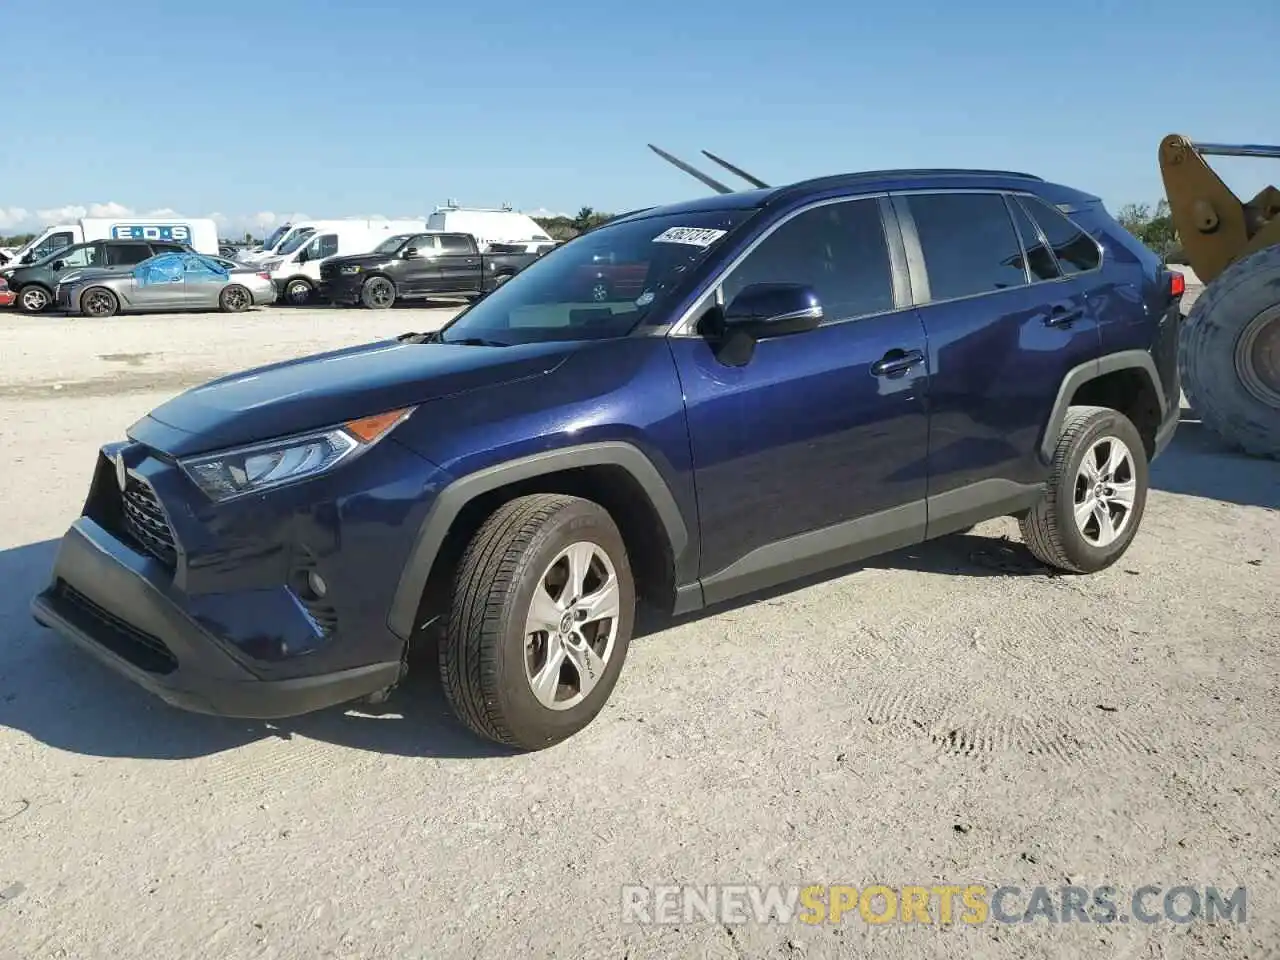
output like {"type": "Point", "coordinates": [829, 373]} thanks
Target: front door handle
{"type": "Point", "coordinates": [1063, 314]}
{"type": "Point", "coordinates": [896, 362]}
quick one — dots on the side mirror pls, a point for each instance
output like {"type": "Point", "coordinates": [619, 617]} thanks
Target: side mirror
{"type": "Point", "coordinates": [29, 258]}
{"type": "Point", "coordinates": [303, 255]}
{"type": "Point", "coordinates": [57, 265]}
{"type": "Point", "coordinates": [765, 310]}
{"type": "Point", "coordinates": [412, 254]}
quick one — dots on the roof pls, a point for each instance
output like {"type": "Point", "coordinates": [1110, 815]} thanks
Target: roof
{"type": "Point", "coordinates": [872, 181]}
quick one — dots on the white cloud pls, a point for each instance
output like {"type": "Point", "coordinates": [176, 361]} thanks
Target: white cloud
{"type": "Point", "coordinates": [542, 213]}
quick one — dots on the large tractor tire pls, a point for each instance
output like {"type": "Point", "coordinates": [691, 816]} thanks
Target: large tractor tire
{"type": "Point", "coordinates": [1230, 354]}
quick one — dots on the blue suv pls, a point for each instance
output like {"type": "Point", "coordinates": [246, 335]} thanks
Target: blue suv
{"type": "Point", "coordinates": [767, 384]}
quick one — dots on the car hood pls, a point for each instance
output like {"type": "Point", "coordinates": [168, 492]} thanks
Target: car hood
{"type": "Point", "coordinates": [330, 388]}
{"type": "Point", "coordinates": [358, 259]}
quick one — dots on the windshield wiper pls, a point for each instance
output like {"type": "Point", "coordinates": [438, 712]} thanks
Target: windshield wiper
{"type": "Point", "coordinates": [475, 342]}
{"type": "Point", "coordinates": [432, 336]}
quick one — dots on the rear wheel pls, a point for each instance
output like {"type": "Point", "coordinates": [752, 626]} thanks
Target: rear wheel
{"type": "Point", "coordinates": [1095, 496]}
{"type": "Point", "coordinates": [235, 299]}
{"type": "Point", "coordinates": [541, 619]}
{"type": "Point", "coordinates": [378, 293]}
{"type": "Point", "coordinates": [1230, 354]}
{"type": "Point", "coordinates": [99, 302]}
{"type": "Point", "coordinates": [34, 299]}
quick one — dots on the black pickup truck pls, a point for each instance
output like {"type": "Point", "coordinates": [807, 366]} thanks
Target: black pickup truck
{"type": "Point", "coordinates": [415, 266]}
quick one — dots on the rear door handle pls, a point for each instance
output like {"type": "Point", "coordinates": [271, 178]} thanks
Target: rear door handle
{"type": "Point", "coordinates": [896, 362]}
{"type": "Point", "coordinates": [1063, 314]}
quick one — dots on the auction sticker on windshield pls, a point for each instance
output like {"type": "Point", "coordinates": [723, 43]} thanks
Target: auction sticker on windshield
{"type": "Point", "coordinates": [694, 236]}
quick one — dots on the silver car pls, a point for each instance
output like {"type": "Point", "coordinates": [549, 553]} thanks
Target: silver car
{"type": "Point", "coordinates": [163, 283]}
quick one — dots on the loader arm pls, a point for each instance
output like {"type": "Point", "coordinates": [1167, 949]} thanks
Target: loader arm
{"type": "Point", "coordinates": [1214, 226]}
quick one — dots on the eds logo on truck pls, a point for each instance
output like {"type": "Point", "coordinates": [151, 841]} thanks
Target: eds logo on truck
{"type": "Point", "coordinates": [175, 232]}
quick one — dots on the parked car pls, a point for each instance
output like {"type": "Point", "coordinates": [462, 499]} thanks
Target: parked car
{"type": "Point", "coordinates": [414, 266]}
{"type": "Point", "coordinates": [7, 296]}
{"type": "Point", "coordinates": [296, 267]}
{"type": "Point", "coordinates": [813, 374]}
{"type": "Point", "coordinates": [169, 281]}
{"type": "Point", "coordinates": [35, 283]}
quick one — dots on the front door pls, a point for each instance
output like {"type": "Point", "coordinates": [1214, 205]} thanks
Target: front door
{"type": "Point", "coordinates": [813, 452]}
{"type": "Point", "coordinates": [159, 283]}
{"type": "Point", "coordinates": [420, 273]}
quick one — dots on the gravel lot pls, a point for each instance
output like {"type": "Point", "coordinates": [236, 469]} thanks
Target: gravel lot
{"type": "Point", "coordinates": [944, 715]}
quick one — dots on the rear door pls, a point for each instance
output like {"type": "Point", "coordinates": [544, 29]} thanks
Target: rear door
{"type": "Point", "coordinates": [459, 263]}
{"type": "Point", "coordinates": [1003, 328]}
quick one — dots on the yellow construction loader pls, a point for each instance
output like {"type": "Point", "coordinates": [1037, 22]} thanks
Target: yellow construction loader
{"type": "Point", "coordinates": [1230, 342]}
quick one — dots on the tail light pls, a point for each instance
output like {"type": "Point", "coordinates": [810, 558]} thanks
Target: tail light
{"type": "Point", "coordinates": [264, 275]}
{"type": "Point", "coordinates": [1177, 284]}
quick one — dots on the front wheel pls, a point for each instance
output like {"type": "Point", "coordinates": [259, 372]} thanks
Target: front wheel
{"type": "Point", "coordinates": [99, 302]}
{"type": "Point", "coordinates": [1095, 496]}
{"type": "Point", "coordinates": [542, 612]}
{"type": "Point", "coordinates": [298, 292]}
{"type": "Point", "coordinates": [378, 293]}
{"type": "Point", "coordinates": [34, 299]}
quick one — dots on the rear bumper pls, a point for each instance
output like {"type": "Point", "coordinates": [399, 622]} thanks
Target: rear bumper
{"type": "Point", "coordinates": [7, 298]}
{"type": "Point", "coordinates": [110, 601]}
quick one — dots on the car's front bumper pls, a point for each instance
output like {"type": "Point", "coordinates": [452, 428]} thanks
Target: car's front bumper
{"type": "Point", "coordinates": [120, 613]}
{"type": "Point", "coordinates": [206, 605]}
{"type": "Point", "coordinates": [343, 288]}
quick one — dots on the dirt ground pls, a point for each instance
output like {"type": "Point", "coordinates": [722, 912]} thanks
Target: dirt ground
{"type": "Point", "coordinates": [950, 714]}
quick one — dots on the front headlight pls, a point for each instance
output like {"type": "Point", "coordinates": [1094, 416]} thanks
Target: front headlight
{"type": "Point", "coordinates": [263, 466]}
{"type": "Point", "coordinates": [351, 268]}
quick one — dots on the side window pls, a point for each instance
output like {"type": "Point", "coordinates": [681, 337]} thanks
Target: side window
{"type": "Point", "coordinates": [127, 254]}
{"type": "Point", "coordinates": [1039, 259]}
{"type": "Point", "coordinates": [50, 245]}
{"type": "Point", "coordinates": [326, 246]}
{"type": "Point", "coordinates": [838, 249]}
{"type": "Point", "coordinates": [1074, 248]}
{"type": "Point", "coordinates": [168, 248]}
{"type": "Point", "coordinates": [968, 242]}
{"type": "Point", "coordinates": [426, 244]}
{"type": "Point", "coordinates": [455, 243]}
{"type": "Point", "coordinates": [86, 256]}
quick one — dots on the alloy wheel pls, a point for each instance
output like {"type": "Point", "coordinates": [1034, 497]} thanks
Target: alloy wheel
{"type": "Point", "coordinates": [98, 303]}
{"type": "Point", "coordinates": [1105, 490]}
{"type": "Point", "coordinates": [34, 299]}
{"type": "Point", "coordinates": [572, 626]}
{"type": "Point", "coordinates": [236, 298]}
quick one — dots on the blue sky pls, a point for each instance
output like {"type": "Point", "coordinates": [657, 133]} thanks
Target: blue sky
{"type": "Point", "coordinates": [282, 106]}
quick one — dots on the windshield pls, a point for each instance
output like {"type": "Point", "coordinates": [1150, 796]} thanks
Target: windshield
{"type": "Point", "coordinates": [295, 241]}
{"type": "Point", "coordinates": [392, 244]}
{"type": "Point", "coordinates": [276, 236]}
{"type": "Point", "coordinates": [599, 285]}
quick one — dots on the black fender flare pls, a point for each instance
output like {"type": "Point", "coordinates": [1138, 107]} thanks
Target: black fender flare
{"type": "Point", "coordinates": [1077, 377]}
{"type": "Point", "coordinates": [454, 497]}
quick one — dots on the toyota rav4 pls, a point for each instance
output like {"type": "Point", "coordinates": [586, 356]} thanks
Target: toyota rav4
{"type": "Point", "coordinates": [797, 378]}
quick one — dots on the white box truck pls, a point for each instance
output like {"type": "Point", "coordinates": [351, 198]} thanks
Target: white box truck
{"type": "Point", "coordinates": [200, 234]}
{"type": "Point", "coordinates": [505, 226]}
{"type": "Point", "coordinates": [295, 266]}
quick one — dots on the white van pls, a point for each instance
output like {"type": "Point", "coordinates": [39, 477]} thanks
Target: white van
{"type": "Point", "coordinates": [200, 234]}
{"type": "Point", "coordinates": [269, 246]}
{"type": "Point", "coordinates": [295, 267]}
{"type": "Point", "coordinates": [503, 226]}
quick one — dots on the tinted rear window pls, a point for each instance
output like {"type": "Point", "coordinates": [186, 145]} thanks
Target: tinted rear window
{"type": "Point", "coordinates": [969, 244]}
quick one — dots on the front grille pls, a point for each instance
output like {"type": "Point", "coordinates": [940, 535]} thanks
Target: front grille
{"type": "Point", "coordinates": [145, 522]}
{"type": "Point", "coordinates": [120, 637]}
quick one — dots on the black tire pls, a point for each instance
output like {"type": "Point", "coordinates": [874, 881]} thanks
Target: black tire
{"type": "Point", "coordinates": [235, 299]}
{"type": "Point", "coordinates": [1050, 529]}
{"type": "Point", "coordinates": [99, 303]}
{"type": "Point", "coordinates": [33, 299]}
{"type": "Point", "coordinates": [1240, 306]}
{"type": "Point", "coordinates": [483, 651]}
{"type": "Point", "coordinates": [298, 292]}
{"type": "Point", "coordinates": [377, 293]}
